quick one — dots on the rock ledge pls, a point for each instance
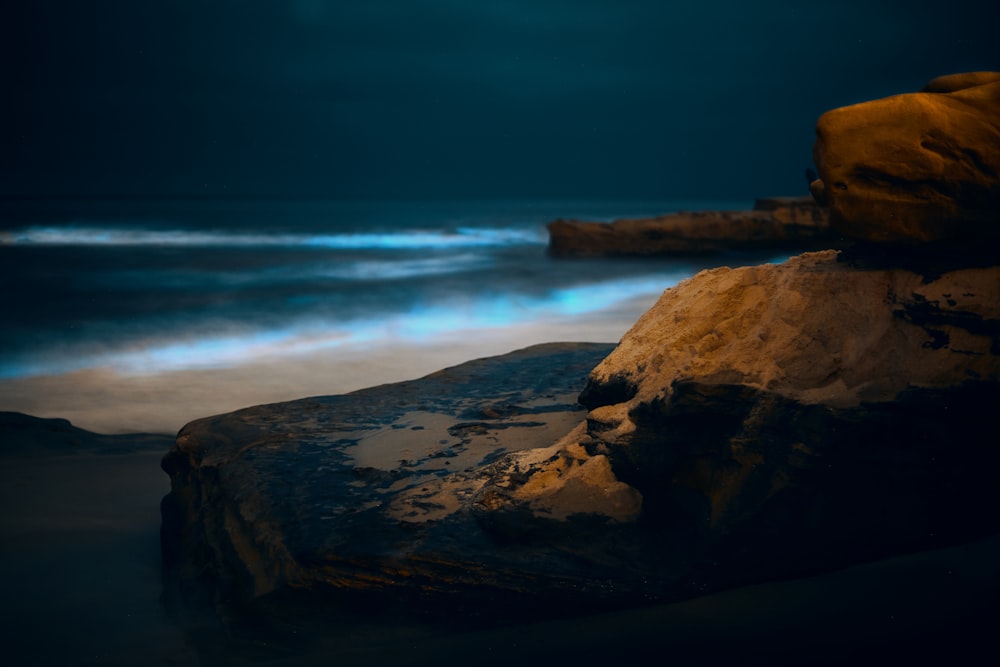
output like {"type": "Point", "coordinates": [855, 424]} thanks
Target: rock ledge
{"type": "Point", "coordinates": [775, 223]}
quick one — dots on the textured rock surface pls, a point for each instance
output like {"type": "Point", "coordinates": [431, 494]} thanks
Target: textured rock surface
{"type": "Point", "coordinates": [757, 423]}
{"type": "Point", "coordinates": [382, 490]}
{"type": "Point", "coordinates": [915, 168]}
{"type": "Point", "coordinates": [778, 222]}
{"type": "Point", "coordinates": [781, 419]}
{"type": "Point", "coordinates": [949, 83]}
{"type": "Point", "coordinates": [815, 329]}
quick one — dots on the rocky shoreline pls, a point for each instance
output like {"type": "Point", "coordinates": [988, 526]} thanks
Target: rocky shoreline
{"type": "Point", "coordinates": [792, 419]}
{"type": "Point", "coordinates": [370, 491]}
{"type": "Point", "coordinates": [84, 535]}
{"type": "Point", "coordinates": [756, 424]}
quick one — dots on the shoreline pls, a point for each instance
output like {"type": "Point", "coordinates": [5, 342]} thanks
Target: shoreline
{"type": "Point", "coordinates": [95, 523]}
{"type": "Point", "coordinates": [105, 401]}
{"type": "Point", "coordinates": [81, 560]}
{"type": "Point", "coordinates": [80, 553]}
{"type": "Point", "coordinates": [162, 383]}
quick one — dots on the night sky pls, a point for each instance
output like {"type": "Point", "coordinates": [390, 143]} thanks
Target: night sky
{"type": "Point", "coordinates": [451, 99]}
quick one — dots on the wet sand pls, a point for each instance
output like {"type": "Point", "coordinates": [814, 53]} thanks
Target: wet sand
{"type": "Point", "coordinates": [79, 557]}
{"type": "Point", "coordinates": [80, 560]}
{"type": "Point", "coordinates": [107, 401]}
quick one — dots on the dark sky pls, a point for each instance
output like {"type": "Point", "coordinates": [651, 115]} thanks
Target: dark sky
{"type": "Point", "coordinates": [452, 98]}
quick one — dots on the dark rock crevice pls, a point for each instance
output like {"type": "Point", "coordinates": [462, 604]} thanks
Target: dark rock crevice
{"type": "Point", "coordinates": [753, 477]}
{"type": "Point", "coordinates": [607, 391]}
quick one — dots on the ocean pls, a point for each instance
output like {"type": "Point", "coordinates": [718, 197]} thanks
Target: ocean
{"type": "Point", "coordinates": [140, 315]}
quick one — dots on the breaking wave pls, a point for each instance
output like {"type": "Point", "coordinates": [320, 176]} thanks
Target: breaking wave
{"type": "Point", "coordinates": [460, 237]}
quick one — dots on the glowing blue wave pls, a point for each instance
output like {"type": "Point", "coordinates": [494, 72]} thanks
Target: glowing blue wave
{"type": "Point", "coordinates": [357, 270]}
{"type": "Point", "coordinates": [461, 237]}
{"type": "Point", "coordinates": [418, 326]}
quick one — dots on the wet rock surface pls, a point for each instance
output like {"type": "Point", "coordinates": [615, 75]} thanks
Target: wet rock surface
{"type": "Point", "coordinates": [413, 489]}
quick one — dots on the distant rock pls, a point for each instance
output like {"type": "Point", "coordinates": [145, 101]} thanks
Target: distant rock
{"type": "Point", "coordinates": [774, 223]}
{"type": "Point", "coordinates": [915, 168]}
{"type": "Point", "coordinates": [23, 435]}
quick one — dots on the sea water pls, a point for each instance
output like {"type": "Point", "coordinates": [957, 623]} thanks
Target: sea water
{"type": "Point", "coordinates": [190, 290]}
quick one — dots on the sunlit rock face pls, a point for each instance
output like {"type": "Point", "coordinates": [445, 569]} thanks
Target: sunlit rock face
{"type": "Point", "coordinates": [915, 168]}
{"type": "Point", "coordinates": [789, 418]}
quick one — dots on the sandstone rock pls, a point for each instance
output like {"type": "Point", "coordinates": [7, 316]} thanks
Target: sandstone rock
{"type": "Point", "coordinates": [915, 168]}
{"type": "Point", "coordinates": [949, 83]}
{"type": "Point", "coordinates": [382, 492]}
{"type": "Point", "coordinates": [792, 418]}
{"type": "Point", "coordinates": [774, 223]}
{"type": "Point", "coordinates": [815, 329]}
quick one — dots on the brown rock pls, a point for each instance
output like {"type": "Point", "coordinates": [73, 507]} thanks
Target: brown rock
{"type": "Point", "coordinates": [915, 168]}
{"type": "Point", "coordinates": [813, 329]}
{"type": "Point", "coordinates": [952, 82]}
{"type": "Point", "coordinates": [804, 416]}
{"type": "Point", "coordinates": [774, 223]}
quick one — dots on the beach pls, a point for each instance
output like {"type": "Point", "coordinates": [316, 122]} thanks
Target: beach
{"type": "Point", "coordinates": [143, 315]}
{"type": "Point", "coordinates": [499, 333]}
{"type": "Point", "coordinates": [79, 549]}
{"type": "Point", "coordinates": [125, 321]}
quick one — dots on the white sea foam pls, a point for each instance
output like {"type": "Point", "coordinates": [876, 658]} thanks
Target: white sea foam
{"type": "Point", "coordinates": [461, 319]}
{"type": "Point", "coordinates": [134, 322]}
{"type": "Point", "coordinates": [461, 237]}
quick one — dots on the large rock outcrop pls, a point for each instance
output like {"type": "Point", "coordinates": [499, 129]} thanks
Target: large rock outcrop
{"type": "Point", "coordinates": [915, 168]}
{"type": "Point", "coordinates": [774, 223]}
{"type": "Point", "coordinates": [374, 492]}
{"type": "Point", "coordinates": [757, 423]}
{"type": "Point", "coordinates": [782, 419]}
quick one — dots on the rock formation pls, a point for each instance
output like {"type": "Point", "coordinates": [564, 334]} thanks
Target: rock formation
{"type": "Point", "coordinates": [774, 223]}
{"type": "Point", "coordinates": [757, 423]}
{"type": "Point", "coordinates": [783, 419]}
{"type": "Point", "coordinates": [373, 491]}
{"type": "Point", "coordinates": [915, 168]}
{"type": "Point", "coordinates": [27, 436]}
